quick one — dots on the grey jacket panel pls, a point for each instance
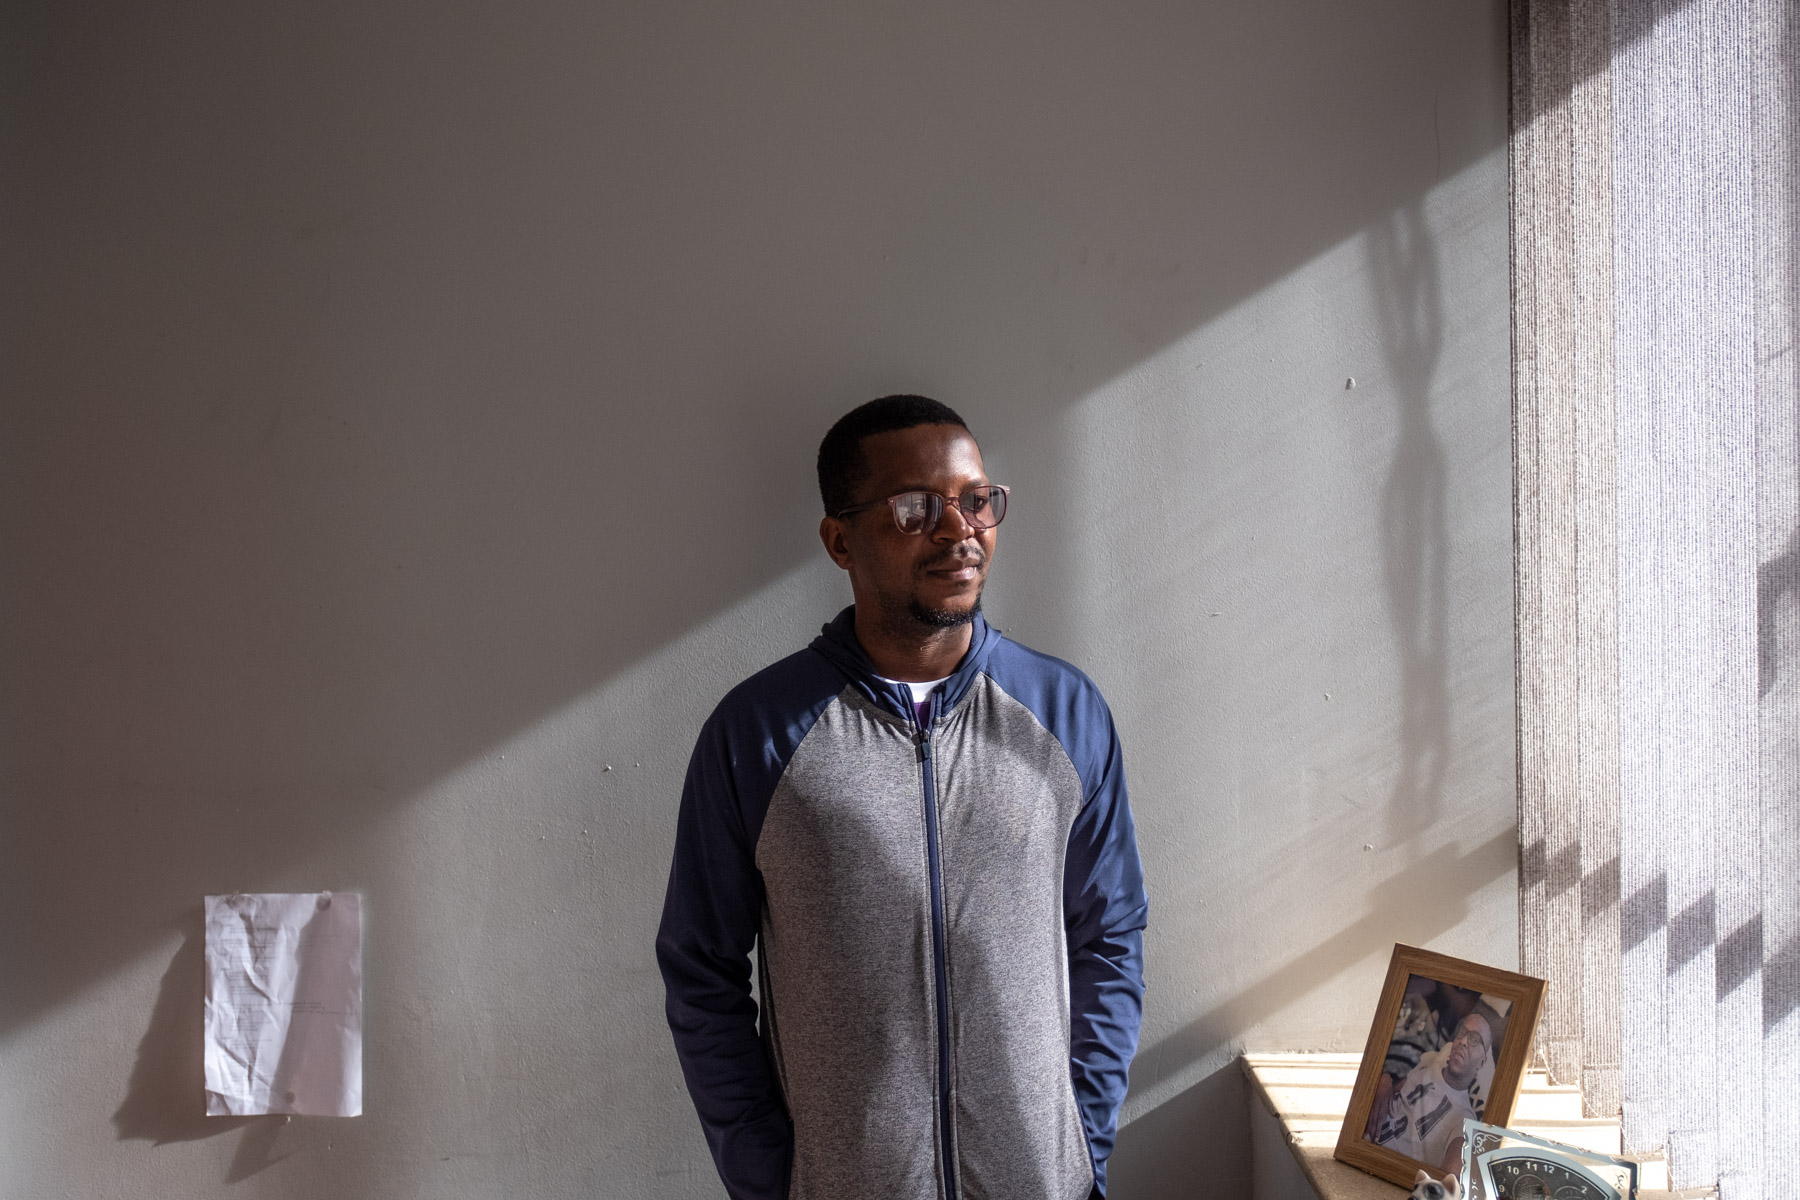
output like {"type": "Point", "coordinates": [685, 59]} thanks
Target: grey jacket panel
{"type": "Point", "coordinates": [847, 942]}
{"type": "Point", "coordinates": [849, 955]}
{"type": "Point", "coordinates": [1007, 798]}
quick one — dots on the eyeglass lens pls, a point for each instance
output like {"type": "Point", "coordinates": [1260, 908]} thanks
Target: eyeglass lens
{"type": "Point", "coordinates": [982, 507]}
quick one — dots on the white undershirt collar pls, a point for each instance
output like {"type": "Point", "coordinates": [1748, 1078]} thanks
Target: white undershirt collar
{"type": "Point", "coordinates": [919, 690]}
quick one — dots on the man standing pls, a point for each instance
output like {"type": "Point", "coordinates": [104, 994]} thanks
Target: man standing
{"type": "Point", "coordinates": [921, 828]}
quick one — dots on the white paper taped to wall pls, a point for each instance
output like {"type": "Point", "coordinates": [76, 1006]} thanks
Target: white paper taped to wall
{"type": "Point", "coordinates": [284, 1004]}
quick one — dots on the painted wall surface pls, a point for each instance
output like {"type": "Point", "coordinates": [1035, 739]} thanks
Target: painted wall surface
{"type": "Point", "coordinates": [406, 437]}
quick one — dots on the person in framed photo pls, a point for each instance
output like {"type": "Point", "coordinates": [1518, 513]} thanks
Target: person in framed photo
{"type": "Point", "coordinates": [1430, 1011]}
{"type": "Point", "coordinates": [1422, 1117]}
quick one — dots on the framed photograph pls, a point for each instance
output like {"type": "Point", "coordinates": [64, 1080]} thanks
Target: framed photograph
{"type": "Point", "coordinates": [1450, 1042]}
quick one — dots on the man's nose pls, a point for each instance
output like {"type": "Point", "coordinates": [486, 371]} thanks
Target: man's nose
{"type": "Point", "coordinates": [954, 525]}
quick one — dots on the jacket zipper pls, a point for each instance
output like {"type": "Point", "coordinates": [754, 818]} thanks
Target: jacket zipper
{"type": "Point", "coordinates": [922, 739]}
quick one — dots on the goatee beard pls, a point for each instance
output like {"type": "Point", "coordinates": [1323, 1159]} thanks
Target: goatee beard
{"type": "Point", "coordinates": [941, 618]}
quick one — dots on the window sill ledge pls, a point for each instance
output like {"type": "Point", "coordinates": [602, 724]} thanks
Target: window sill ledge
{"type": "Point", "coordinates": [1298, 1101]}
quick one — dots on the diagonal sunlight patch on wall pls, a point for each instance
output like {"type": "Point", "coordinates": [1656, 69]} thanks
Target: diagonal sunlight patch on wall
{"type": "Point", "coordinates": [1297, 593]}
{"type": "Point", "coordinates": [1463, 882]}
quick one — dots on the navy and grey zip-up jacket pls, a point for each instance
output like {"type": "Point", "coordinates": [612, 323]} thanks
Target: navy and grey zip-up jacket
{"type": "Point", "coordinates": [950, 914]}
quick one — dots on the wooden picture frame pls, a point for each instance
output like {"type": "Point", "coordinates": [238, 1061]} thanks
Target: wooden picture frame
{"type": "Point", "coordinates": [1441, 998]}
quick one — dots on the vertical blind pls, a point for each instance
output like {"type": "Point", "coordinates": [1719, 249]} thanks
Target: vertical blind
{"type": "Point", "coordinates": [1657, 417]}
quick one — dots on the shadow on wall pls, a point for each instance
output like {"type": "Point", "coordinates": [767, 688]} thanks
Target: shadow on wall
{"type": "Point", "coordinates": [1548, 30]}
{"type": "Point", "coordinates": [1408, 299]}
{"type": "Point", "coordinates": [1777, 614]}
{"type": "Point", "coordinates": [1691, 932]}
{"type": "Point", "coordinates": [1393, 914]}
{"type": "Point", "coordinates": [439, 379]}
{"type": "Point", "coordinates": [165, 1100]}
{"type": "Point", "coordinates": [1161, 1154]}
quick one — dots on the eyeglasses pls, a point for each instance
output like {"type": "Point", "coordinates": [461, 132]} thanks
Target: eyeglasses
{"type": "Point", "coordinates": [1471, 1038]}
{"type": "Point", "coordinates": [917, 512]}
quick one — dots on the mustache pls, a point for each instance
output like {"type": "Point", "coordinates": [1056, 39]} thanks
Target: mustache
{"type": "Point", "coordinates": [954, 557]}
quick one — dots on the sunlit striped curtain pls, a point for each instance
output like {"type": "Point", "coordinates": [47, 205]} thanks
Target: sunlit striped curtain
{"type": "Point", "coordinates": [1655, 165]}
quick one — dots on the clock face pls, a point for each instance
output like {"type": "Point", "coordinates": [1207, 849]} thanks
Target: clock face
{"type": "Point", "coordinates": [1530, 1174]}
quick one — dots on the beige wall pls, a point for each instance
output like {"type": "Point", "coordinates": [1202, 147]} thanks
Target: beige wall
{"type": "Point", "coordinates": [408, 413]}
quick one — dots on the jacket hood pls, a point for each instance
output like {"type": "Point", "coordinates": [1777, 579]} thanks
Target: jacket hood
{"type": "Point", "coordinates": [838, 643]}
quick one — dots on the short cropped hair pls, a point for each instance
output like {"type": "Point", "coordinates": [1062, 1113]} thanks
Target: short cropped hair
{"type": "Point", "coordinates": [843, 468]}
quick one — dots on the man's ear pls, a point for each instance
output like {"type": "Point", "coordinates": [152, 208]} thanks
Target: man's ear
{"type": "Point", "coordinates": [831, 532]}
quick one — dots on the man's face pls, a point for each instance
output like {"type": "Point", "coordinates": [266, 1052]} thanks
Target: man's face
{"type": "Point", "coordinates": [1468, 1052]}
{"type": "Point", "coordinates": [929, 580]}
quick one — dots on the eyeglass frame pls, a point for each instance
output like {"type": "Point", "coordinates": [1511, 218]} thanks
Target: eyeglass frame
{"type": "Point", "coordinates": [947, 501]}
{"type": "Point", "coordinates": [1472, 1037]}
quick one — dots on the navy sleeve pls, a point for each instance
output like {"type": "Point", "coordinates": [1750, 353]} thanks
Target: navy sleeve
{"type": "Point", "coordinates": [1106, 909]}
{"type": "Point", "coordinates": [709, 926]}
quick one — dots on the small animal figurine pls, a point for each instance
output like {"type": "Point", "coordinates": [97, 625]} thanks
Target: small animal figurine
{"type": "Point", "coordinates": [1427, 1188]}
